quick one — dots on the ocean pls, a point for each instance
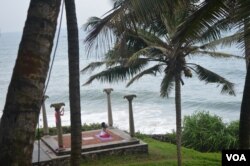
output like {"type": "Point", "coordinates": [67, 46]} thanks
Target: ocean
{"type": "Point", "coordinates": [152, 114]}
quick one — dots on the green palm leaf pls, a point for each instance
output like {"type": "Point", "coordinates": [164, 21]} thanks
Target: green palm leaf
{"type": "Point", "coordinates": [213, 32]}
{"type": "Point", "coordinates": [215, 54]}
{"type": "Point", "coordinates": [101, 31]}
{"type": "Point", "coordinates": [92, 66]}
{"type": "Point", "coordinates": [145, 10]}
{"type": "Point", "coordinates": [225, 41]}
{"type": "Point", "coordinates": [149, 52]}
{"type": "Point", "coordinates": [242, 17]}
{"type": "Point", "coordinates": [150, 38]}
{"type": "Point", "coordinates": [200, 21]}
{"type": "Point", "coordinates": [211, 77]}
{"type": "Point", "coordinates": [118, 73]}
{"type": "Point", "coordinates": [167, 84]}
{"type": "Point", "coordinates": [91, 22]}
{"type": "Point", "coordinates": [150, 71]}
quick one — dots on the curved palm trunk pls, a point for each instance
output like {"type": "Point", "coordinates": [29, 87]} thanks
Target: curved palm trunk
{"type": "Point", "coordinates": [74, 83]}
{"type": "Point", "coordinates": [24, 97]}
{"type": "Point", "coordinates": [178, 117]}
{"type": "Point", "coordinates": [244, 130]}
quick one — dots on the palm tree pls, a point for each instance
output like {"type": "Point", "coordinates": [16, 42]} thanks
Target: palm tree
{"type": "Point", "coordinates": [25, 92]}
{"type": "Point", "coordinates": [242, 18]}
{"type": "Point", "coordinates": [239, 17]}
{"type": "Point", "coordinates": [244, 134]}
{"type": "Point", "coordinates": [74, 83]}
{"type": "Point", "coordinates": [163, 39]}
{"type": "Point", "coordinates": [238, 13]}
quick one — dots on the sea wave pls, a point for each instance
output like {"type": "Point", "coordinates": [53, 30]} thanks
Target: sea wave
{"type": "Point", "coordinates": [152, 113]}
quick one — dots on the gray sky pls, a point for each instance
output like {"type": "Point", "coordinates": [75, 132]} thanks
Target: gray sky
{"type": "Point", "coordinates": [13, 12]}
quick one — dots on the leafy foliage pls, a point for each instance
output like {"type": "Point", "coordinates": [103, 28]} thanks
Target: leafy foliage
{"type": "Point", "coordinates": [167, 84]}
{"type": "Point", "coordinates": [92, 66]}
{"type": "Point", "coordinates": [211, 77]}
{"type": "Point", "coordinates": [118, 73]}
{"type": "Point", "coordinates": [205, 132]}
{"type": "Point", "coordinates": [150, 71]}
{"type": "Point", "coordinates": [151, 36]}
{"type": "Point", "coordinates": [164, 32]}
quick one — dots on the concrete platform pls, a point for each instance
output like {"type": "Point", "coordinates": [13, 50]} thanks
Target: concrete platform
{"type": "Point", "coordinates": [121, 143]}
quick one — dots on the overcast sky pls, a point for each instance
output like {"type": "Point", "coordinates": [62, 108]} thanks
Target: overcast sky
{"type": "Point", "coordinates": [13, 12]}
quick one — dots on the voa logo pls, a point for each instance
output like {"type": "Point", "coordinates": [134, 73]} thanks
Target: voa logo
{"type": "Point", "coordinates": [236, 157]}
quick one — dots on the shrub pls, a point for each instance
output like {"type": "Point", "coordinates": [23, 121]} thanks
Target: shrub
{"type": "Point", "coordinates": [233, 135]}
{"type": "Point", "coordinates": [205, 132]}
{"type": "Point", "coordinates": [168, 137]}
{"type": "Point", "coordinates": [171, 137]}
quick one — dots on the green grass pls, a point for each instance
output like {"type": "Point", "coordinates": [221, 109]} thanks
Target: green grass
{"type": "Point", "coordinates": [160, 154]}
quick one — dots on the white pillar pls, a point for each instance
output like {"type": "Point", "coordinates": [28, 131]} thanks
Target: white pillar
{"type": "Point", "coordinates": [58, 107]}
{"type": "Point", "coordinates": [131, 117]}
{"type": "Point", "coordinates": [110, 117]}
{"type": "Point", "coordinates": [45, 121]}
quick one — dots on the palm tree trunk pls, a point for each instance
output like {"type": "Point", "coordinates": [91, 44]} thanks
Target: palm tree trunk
{"type": "Point", "coordinates": [178, 117]}
{"type": "Point", "coordinates": [74, 83]}
{"type": "Point", "coordinates": [244, 130]}
{"type": "Point", "coordinates": [247, 45]}
{"type": "Point", "coordinates": [25, 92]}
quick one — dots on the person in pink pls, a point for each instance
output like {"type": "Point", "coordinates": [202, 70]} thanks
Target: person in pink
{"type": "Point", "coordinates": [58, 113]}
{"type": "Point", "coordinates": [104, 133]}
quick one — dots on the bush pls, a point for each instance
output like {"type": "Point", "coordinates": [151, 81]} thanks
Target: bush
{"type": "Point", "coordinates": [171, 137]}
{"type": "Point", "coordinates": [233, 135]}
{"type": "Point", "coordinates": [168, 137]}
{"type": "Point", "coordinates": [205, 132]}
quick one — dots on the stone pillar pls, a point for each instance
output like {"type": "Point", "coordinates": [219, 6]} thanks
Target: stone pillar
{"type": "Point", "coordinates": [58, 114]}
{"type": "Point", "coordinates": [45, 121]}
{"type": "Point", "coordinates": [131, 117]}
{"type": "Point", "coordinates": [110, 117]}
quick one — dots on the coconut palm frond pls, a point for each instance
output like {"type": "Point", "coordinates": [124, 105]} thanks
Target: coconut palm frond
{"type": "Point", "coordinates": [118, 73]}
{"type": "Point", "coordinates": [104, 29]}
{"type": "Point", "coordinates": [215, 54]}
{"type": "Point", "coordinates": [118, 3]}
{"type": "Point", "coordinates": [135, 56]}
{"type": "Point", "coordinates": [150, 71]}
{"type": "Point", "coordinates": [202, 19]}
{"type": "Point", "coordinates": [170, 24]}
{"type": "Point", "coordinates": [112, 55]}
{"type": "Point", "coordinates": [147, 37]}
{"type": "Point", "coordinates": [242, 16]}
{"type": "Point", "coordinates": [158, 28]}
{"type": "Point", "coordinates": [97, 28]}
{"type": "Point", "coordinates": [225, 41]}
{"type": "Point", "coordinates": [112, 22]}
{"type": "Point", "coordinates": [149, 52]}
{"type": "Point", "coordinates": [109, 63]}
{"type": "Point", "coordinates": [211, 77]}
{"type": "Point", "coordinates": [92, 66]}
{"type": "Point", "coordinates": [151, 38]}
{"type": "Point", "coordinates": [91, 22]}
{"type": "Point", "coordinates": [214, 32]}
{"type": "Point", "coordinates": [110, 75]}
{"type": "Point", "coordinates": [167, 84]}
{"type": "Point", "coordinates": [144, 10]}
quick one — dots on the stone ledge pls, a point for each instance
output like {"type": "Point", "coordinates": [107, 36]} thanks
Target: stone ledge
{"type": "Point", "coordinates": [127, 145]}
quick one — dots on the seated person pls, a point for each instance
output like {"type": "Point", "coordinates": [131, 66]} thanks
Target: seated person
{"type": "Point", "coordinates": [104, 133]}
